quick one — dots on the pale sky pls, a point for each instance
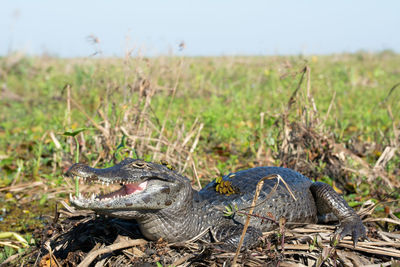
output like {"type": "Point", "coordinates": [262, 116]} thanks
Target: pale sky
{"type": "Point", "coordinates": [207, 27]}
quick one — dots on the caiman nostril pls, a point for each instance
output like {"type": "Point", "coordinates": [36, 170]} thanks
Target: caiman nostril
{"type": "Point", "coordinates": [81, 170]}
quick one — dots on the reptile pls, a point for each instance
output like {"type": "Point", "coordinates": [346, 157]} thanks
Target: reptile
{"type": "Point", "coordinates": [165, 205]}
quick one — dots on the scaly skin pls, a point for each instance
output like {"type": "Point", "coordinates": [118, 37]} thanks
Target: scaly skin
{"type": "Point", "coordinates": [165, 205]}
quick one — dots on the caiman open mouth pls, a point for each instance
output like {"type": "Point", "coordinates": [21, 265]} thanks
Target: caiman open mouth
{"type": "Point", "coordinates": [127, 188]}
{"type": "Point", "coordinates": [141, 188]}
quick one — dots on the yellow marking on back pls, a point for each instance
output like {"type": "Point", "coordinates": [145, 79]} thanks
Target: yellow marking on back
{"type": "Point", "coordinates": [166, 164]}
{"type": "Point", "coordinates": [225, 187]}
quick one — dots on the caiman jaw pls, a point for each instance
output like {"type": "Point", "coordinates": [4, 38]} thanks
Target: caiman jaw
{"type": "Point", "coordinates": [140, 189]}
{"type": "Point", "coordinates": [127, 190]}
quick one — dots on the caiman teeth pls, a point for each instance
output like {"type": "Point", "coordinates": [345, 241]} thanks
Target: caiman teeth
{"type": "Point", "coordinates": [136, 188]}
{"type": "Point", "coordinates": [84, 180]}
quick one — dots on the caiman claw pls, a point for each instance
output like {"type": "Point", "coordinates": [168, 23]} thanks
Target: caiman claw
{"type": "Point", "coordinates": [350, 226]}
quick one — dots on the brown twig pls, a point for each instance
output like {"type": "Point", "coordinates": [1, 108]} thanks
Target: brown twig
{"type": "Point", "coordinates": [389, 94]}
{"type": "Point", "coordinates": [293, 96]}
{"type": "Point", "coordinates": [272, 176]}
{"type": "Point", "coordinates": [282, 223]}
{"type": "Point", "coordinates": [195, 174]}
{"type": "Point", "coordinates": [120, 245]}
{"type": "Point", "coordinates": [329, 108]}
{"type": "Point", "coordinates": [258, 216]}
{"type": "Point", "coordinates": [169, 107]}
{"type": "Point", "coordinates": [246, 225]}
{"type": "Point", "coordinates": [196, 140]}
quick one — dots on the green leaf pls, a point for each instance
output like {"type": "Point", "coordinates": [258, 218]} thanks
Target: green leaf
{"type": "Point", "coordinates": [117, 154]}
{"type": "Point", "coordinates": [122, 144]}
{"type": "Point", "coordinates": [43, 199]}
{"type": "Point", "coordinates": [353, 203]}
{"type": "Point", "coordinates": [73, 133]}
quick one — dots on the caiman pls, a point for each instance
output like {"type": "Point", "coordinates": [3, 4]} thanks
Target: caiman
{"type": "Point", "coordinates": [165, 205]}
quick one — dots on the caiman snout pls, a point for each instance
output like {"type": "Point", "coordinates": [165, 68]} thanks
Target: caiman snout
{"type": "Point", "coordinates": [81, 170]}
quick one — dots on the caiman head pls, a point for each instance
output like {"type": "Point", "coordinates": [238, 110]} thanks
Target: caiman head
{"type": "Point", "coordinates": [145, 188]}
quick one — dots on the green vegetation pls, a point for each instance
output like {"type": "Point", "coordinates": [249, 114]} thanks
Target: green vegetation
{"type": "Point", "coordinates": [205, 116]}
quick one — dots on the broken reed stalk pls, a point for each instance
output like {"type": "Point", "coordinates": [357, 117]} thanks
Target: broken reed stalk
{"type": "Point", "coordinates": [108, 249]}
{"type": "Point", "coordinates": [262, 137]}
{"type": "Point", "coordinates": [246, 225]}
{"type": "Point", "coordinates": [389, 94]}
{"type": "Point", "coordinates": [195, 174]}
{"type": "Point", "coordinates": [292, 98]}
{"type": "Point", "coordinates": [68, 115]}
{"type": "Point", "coordinates": [329, 108]}
{"type": "Point", "coordinates": [51, 256]}
{"type": "Point", "coordinates": [194, 145]}
{"type": "Point", "coordinates": [395, 128]}
{"type": "Point", "coordinates": [169, 107]}
{"type": "Point", "coordinates": [310, 98]}
{"type": "Point", "coordinates": [76, 161]}
{"type": "Point", "coordinates": [274, 190]}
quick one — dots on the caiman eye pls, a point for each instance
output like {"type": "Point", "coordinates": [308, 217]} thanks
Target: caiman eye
{"type": "Point", "coordinates": [139, 165]}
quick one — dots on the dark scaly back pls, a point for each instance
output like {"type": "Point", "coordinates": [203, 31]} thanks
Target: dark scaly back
{"type": "Point", "coordinates": [278, 204]}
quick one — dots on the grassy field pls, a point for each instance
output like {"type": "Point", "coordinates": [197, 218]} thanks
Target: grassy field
{"type": "Point", "coordinates": [205, 116]}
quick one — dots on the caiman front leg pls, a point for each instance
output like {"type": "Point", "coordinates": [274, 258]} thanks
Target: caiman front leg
{"type": "Point", "coordinates": [230, 235]}
{"type": "Point", "coordinates": [328, 201]}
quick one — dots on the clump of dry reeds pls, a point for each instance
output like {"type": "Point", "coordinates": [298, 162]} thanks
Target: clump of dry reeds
{"type": "Point", "coordinates": [144, 135]}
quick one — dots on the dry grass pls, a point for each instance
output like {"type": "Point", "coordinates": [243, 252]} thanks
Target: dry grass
{"type": "Point", "coordinates": [82, 237]}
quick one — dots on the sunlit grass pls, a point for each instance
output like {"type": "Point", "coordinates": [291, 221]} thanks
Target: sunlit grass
{"type": "Point", "coordinates": [226, 94]}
